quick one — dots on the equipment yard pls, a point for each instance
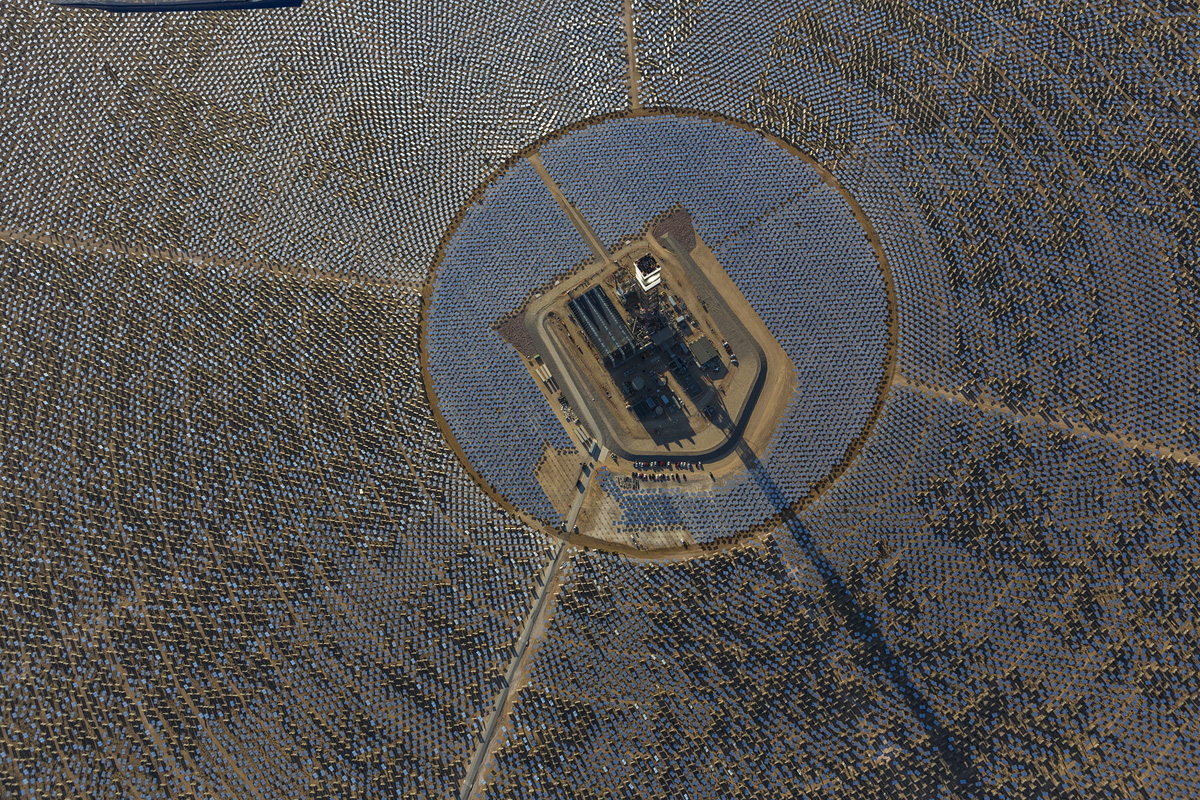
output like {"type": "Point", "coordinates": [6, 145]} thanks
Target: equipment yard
{"type": "Point", "coordinates": [694, 376]}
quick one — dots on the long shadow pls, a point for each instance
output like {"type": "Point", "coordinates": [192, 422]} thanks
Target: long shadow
{"type": "Point", "coordinates": [733, 432]}
{"type": "Point", "coordinates": [861, 619]}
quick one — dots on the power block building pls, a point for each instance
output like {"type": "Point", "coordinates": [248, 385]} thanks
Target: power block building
{"type": "Point", "coordinates": [607, 331]}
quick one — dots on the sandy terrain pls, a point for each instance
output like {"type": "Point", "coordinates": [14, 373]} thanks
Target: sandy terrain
{"type": "Point", "coordinates": [558, 476]}
{"type": "Point", "coordinates": [600, 515]}
{"type": "Point", "coordinates": [683, 429]}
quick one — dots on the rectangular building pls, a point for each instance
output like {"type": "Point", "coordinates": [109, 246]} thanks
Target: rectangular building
{"type": "Point", "coordinates": [703, 351]}
{"type": "Point", "coordinates": [604, 326]}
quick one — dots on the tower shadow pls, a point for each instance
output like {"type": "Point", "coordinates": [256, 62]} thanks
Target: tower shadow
{"type": "Point", "coordinates": [859, 616]}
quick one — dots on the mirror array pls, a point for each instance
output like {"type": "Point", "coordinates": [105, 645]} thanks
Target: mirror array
{"type": "Point", "coordinates": [962, 623]}
{"type": "Point", "coordinates": [788, 240]}
{"type": "Point", "coordinates": [513, 241]}
{"type": "Point", "coordinates": [1028, 174]}
{"type": "Point", "coordinates": [240, 561]}
{"type": "Point", "coordinates": [235, 512]}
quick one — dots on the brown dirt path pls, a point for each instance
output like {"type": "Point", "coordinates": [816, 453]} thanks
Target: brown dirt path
{"type": "Point", "coordinates": [635, 76]}
{"type": "Point", "coordinates": [1074, 428]}
{"type": "Point", "coordinates": [176, 256]}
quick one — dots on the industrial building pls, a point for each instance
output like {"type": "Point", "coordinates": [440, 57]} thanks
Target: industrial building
{"type": "Point", "coordinates": [704, 351]}
{"type": "Point", "coordinates": [606, 329]}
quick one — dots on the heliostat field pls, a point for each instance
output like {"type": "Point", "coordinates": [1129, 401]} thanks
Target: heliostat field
{"type": "Point", "coordinates": [788, 240]}
{"type": "Point", "coordinates": [293, 453]}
